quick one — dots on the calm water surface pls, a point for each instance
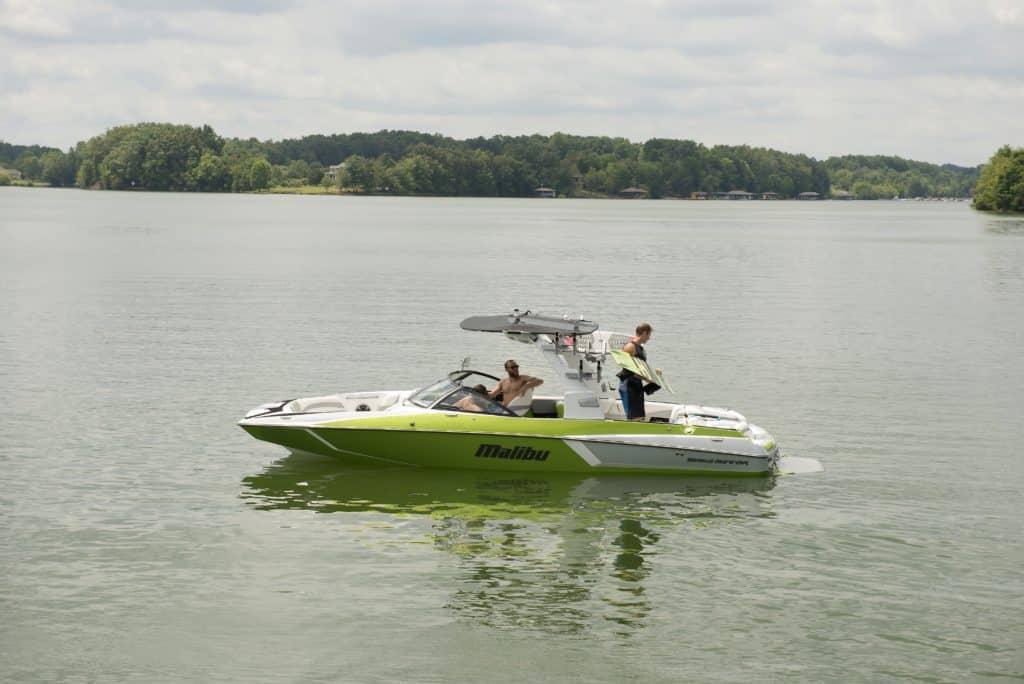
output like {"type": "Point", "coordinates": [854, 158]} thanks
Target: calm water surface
{"type": "Point", "coordinates": [146, 538]}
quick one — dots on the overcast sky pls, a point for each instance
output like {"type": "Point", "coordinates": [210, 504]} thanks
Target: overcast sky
{"type": "Point", "coordinates": [935, 80]}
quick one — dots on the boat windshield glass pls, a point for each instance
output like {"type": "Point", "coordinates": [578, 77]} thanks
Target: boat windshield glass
{"type": "Point", "coordinates": [464, 399]}
{"type": "Point", "coordinates": [429, 395]}
{"type": "Point", "coordinates": [459, 384]}
{"type": "Point", "coordinates": [471, 379]}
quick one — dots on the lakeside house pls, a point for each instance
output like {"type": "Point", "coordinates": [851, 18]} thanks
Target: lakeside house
{"type": "Point", "coordinates": [13, 174]}
{"type": "Point", "coordinates": [698, 195]}
{"type": "Point", "coordinates": [333, 170]}
{"type": "Point", "coordinates": [544, 192]}
{"type": "Point", "coordinates": [733, 195]}
{"type": "Point", "coordinates": [633, 193]}
{"type": "Point", "coordinates": [769, 195]}
{"type": "Point", "coordinates": [808, 196]}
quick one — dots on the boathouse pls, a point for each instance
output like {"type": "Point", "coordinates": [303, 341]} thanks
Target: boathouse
{"type": "Point", "coordinates": [733, 195]}
{"type": "Point", "coordinates": [633, 193]}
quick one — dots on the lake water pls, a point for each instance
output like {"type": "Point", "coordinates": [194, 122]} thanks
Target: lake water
{"type": "Point", "coordinates": [146, 538]}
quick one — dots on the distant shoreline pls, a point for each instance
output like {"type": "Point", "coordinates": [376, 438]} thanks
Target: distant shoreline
{"type": "Point", "coordinates": [320, 191]}
{"type": "Point", "coordinates": [177, 157]}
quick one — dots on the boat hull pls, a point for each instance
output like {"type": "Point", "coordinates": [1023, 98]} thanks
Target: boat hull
{"type": "Point", "coordinates": [569, 453]}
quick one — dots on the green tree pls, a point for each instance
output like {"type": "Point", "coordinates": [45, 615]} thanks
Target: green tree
{"type": "Point", "coordinates": [1001, 183]}
{"type": "Point", "coordinates": [211, 174]}
{"type": "Point", "coordinates": [511, 177]}
{"type": "Point", "coordinates": [418, 174]}
{"type": "Point", "coordinates": [57, 168]}
{"type": "Point", "coordinates": [298, 170]}
{"type": "Point", "coordinates": [259, 174]}
{"type": "Point", "coordinates": [359, 173]}
{"type": "Point", "coordinates": [277, 175]}
{"type": "Point", "coordinates": [87, 175]}
{"type": "Point", "coordinates": [315, 173]}
{"type": "Point", "coordinates": [29, 166]}
{"type": "Point", "coordinates": [150, 156]}
{"type": "Point", "coordinates": [121, 168]}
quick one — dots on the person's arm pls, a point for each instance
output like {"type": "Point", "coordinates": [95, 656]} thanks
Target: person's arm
{"type": "Point", "coordinates": [529, 384]}
{"type": "Point", "coordinates": [629, 348]}
{"type": "Point", "coordinates": [497, 389]}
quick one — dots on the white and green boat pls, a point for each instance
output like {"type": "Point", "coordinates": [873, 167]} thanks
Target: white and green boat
{"type": "Point", "coordinates": [581, 430]}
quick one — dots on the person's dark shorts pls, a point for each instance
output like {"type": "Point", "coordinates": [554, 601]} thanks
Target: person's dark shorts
{"type": "Point", "coordinates": [632, 392]}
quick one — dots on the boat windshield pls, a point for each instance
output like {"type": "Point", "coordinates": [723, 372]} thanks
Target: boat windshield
{"type": "Point", "coordinates": [431, 394]}
{"type": "Point", "coordinates": [468, 401]}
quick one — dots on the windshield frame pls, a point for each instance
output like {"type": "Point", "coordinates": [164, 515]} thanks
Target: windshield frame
{"type": "Point", "coordinates": [434, 394]}
{"type": "Point", "coordinates": [488, 407]}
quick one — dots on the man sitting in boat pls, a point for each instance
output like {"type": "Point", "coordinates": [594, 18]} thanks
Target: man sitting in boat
{"type": "Point", "coordinates": [514, 386]}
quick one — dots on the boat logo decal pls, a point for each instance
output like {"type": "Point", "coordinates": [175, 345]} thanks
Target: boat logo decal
{"type": "Point", "coordinates": [519, 453]}
{"type": "Point", "coordinates": [716, 461]}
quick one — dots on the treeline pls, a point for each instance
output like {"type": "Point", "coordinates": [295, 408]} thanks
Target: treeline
{"type": "Point", "coordinates": [44, 164]}
{"type": "Point", "coordinates": [9, 153]}
{"type": "Point", "coordinates": [405, 162]}
{"type": "Point", "coordinates": [154, 156]}
{"type": "Point", "coordinates": [1001, 185]}
{"type": "Point", "coordinates": [877, 177]}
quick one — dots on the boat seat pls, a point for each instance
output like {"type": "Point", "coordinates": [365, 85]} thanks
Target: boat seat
{"type": "Point", "coordinates": [522, 404]}
{"type": "Point", "coordinates": [387, 399]}
{"type": "Point", "coordinates": [332, 402]}
{"type": "Point", "coordinates": [544, 408]}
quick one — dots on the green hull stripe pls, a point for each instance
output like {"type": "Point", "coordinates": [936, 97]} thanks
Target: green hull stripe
{"type": "Point", "coordinates": [545, 427]}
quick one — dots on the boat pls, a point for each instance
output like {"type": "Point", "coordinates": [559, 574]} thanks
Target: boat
{"type": "Point", "coordinates": [581, 430]}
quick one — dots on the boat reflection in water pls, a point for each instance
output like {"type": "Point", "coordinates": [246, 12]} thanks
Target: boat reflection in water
{"type": "Point", "coordinates": [550, 552]}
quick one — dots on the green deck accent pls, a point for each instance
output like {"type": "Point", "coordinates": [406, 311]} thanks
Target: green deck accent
{"type": "Point", "coordinates": [545, 427]}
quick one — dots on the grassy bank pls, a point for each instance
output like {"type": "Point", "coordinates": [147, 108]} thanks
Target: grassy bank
{"type": "Point", "coordinates": [302, 190]}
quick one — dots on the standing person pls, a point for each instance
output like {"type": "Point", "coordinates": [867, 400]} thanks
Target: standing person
{"type": "Point", "coordinates": [514, 385]}
{"type": "Point", "coordinates": [631, 387]}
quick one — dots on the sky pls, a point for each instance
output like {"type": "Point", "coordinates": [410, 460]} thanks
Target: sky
{"type": "Point", "coordinates": [938, 80]}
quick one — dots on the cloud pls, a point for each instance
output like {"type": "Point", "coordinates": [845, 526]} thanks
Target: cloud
{"type": "Point", "coordinates": [32, 18]}
{"type": "Point", "coordinates": [938, 81]}
{"type": "Point", "coordinates": [192, 6]}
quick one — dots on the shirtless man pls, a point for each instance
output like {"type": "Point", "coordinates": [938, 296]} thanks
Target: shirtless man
{"type": "Point", "coordinates": [514, 385]}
